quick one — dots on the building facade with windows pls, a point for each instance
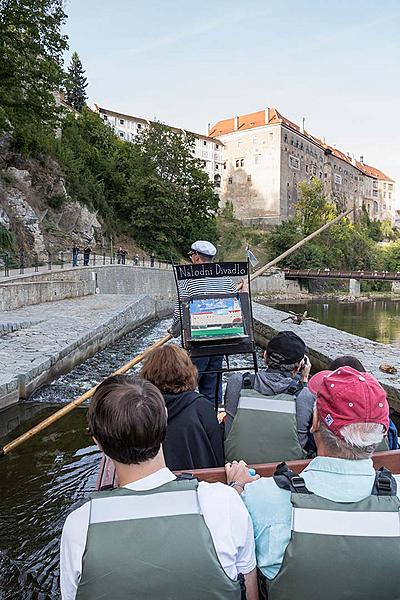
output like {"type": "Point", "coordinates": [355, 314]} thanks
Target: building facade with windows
{"type": "Point", "coordinates": [265, 156]}
{"type": "Point", "coordinates": [208, 149]}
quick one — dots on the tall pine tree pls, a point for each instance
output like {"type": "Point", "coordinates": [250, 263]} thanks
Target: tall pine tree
{"type": "Point", "coordinates": [76, 84]}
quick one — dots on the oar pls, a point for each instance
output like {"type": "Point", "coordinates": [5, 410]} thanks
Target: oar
{"type": "Point", "coordinates": [72, 405]}
{"type": "Point", "coordinates": [69, 407]}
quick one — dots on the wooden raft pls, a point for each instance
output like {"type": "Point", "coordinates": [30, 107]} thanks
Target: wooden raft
{"type": "Point", "coordinates": [107, 476]}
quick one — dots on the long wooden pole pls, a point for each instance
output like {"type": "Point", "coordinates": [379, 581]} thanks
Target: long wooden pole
{"type": "Point", "coordinates": [262, 270]}
{"type": "Point", "coordinates": [72, 405]}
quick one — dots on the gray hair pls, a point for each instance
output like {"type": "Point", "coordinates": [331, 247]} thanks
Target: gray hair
{"type": "Point", "coordinates": [358, 441]}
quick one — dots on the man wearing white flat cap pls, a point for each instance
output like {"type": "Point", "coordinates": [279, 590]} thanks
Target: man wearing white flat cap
{"type": "Point", "coordinates": [203, 252]}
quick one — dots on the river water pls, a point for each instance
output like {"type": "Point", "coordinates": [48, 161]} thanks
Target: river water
{"type": "Point", "coordinates": [43, 480]}
{"type": "Point", "coordinates": [377, 320]}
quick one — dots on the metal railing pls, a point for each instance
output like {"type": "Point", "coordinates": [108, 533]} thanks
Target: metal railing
{"type": "Point", "coordinates": [14, 265]}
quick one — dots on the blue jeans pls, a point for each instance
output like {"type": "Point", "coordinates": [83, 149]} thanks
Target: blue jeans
{"type": "Point", "coordinates": [208, 381]}
{"type": "Point", "coordinates": [74, 260]}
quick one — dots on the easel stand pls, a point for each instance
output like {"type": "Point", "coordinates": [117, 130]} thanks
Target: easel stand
{"type": "Point", "coordinates": [216, 324]}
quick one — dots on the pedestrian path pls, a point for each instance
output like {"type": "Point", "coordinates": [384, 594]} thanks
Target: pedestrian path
{"type": "Point", "coordinates": [12, 274]}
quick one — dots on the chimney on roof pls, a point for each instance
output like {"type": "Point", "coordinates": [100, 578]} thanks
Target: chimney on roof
{"type": "Point", "coordinates": [236, 123]}
{"type": "Point", "coordinates": [301, 124]}
{"type": "Point", "coordinates": [208, 128]}
{"type": "Point", "coordinates": [353, 160]}
{"type": "Point", "coordinates": [362, 159]}
{"type": "Point", "coordinates": [267, 115]}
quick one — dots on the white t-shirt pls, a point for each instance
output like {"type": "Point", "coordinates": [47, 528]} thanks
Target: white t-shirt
{"type": "Point", "coordinates": [225, 515]}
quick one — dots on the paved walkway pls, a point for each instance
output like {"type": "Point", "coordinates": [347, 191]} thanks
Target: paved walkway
{"type": "Point", "coordinates": [45, 338]}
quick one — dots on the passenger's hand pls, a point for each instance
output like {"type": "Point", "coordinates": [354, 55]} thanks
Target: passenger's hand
{"type": "Point", "coordinates": [305, 373]}
{"type": "Point", "coordinates": [239, 472]}
{"type": "Point", "coordinates": [243, 285]}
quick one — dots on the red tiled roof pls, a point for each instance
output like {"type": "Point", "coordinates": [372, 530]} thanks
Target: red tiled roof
{"type": "Point", "coordinates": [373, 172]}
{"type": "Point", "coordinates": [258, 119]}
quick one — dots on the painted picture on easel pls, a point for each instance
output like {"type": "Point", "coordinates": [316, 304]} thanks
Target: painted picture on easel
{"type": "Point", "coordinates": [216, 318]}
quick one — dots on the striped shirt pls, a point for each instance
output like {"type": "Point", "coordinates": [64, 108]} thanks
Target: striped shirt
{"type": "Point", "coordinates": [203, 287]}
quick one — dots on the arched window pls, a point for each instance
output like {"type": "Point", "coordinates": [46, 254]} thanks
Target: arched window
{"type": "Point", "coordinates": [217, 180]}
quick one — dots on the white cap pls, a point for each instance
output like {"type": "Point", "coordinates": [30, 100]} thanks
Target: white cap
{"type": "Point", "coordinates": [204, 248]}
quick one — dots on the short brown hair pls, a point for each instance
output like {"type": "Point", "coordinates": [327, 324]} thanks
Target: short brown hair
{"type": "Point", "coordinates": [127, 417]}
{"type": "Point", "coordinates": [170, 369]}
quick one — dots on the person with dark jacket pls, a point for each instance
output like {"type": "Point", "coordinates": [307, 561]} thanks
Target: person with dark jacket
{"type": "Point", "coordinates": [194, 436]}
{"type": "Point", "coordinates": [287, 371]}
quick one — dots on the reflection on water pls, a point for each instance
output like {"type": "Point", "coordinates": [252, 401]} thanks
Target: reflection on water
{"type": "Point", "coordinates": [378, 320]}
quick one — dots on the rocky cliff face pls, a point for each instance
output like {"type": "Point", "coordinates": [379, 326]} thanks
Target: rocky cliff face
{"type": "Point", "coordinates": [34, 205]}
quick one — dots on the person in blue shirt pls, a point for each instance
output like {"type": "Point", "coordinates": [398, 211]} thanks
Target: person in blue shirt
{"type": "Point", "coordinates": [350, 418]}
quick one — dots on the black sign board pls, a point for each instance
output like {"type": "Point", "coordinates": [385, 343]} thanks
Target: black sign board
{"type": "Point", "coordinates": [223, 269]}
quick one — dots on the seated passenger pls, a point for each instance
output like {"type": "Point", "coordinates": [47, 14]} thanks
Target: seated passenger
{"type": "Point", "coordinates": [264, 421]}
{"type": "Point", "coordinates": [156, 536]}
{"type": "Point", "coordinates": [332, 532]}
{"type": "Point", "coordinates": [306, 398]}
{"type": "Point", "coordinates": [194, 437]}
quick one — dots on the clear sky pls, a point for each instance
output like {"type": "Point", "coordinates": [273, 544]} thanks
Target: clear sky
{"type": "Point", "coordinates": [189, 63]}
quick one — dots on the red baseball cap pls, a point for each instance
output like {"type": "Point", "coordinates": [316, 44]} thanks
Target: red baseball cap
{"type": "Point", "coordinates": [346, 396]}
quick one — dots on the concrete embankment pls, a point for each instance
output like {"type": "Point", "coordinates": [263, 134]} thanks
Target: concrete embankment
{"type": "Point", "coordinates": [43, 341]}
{"type": "Point", "coordinates": [76, 282]}
{"type": "Point", "coordinates": [326, 343]}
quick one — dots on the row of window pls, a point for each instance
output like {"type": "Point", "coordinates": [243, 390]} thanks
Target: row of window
{"type": "Point", "coordinates": [216, 146]}
{"type": "Point", "coordinates": [299, 144]}
{"type": "Point", "coordinates": [230, 179]}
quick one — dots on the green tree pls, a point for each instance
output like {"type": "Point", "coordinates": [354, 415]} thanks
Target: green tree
{"type": "Point", "coordinates": [31, 49]}
{"type": "Point", "coordinates": [76, 84]}
{"type": "Point", "coordinates": [153, 190]}
{"type": "Point", "coordinates": [187, 193]}
{"type": "Point", "coordinates": [312, 208]}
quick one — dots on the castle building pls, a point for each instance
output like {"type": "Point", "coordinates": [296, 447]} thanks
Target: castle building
{"type": "Point", "coordinates": [265, 156]}
{"type": "Point", "coordinates": [207, 149]}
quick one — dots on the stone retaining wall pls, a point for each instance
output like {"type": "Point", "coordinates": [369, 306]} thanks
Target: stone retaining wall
{"type": "Point", "coordinates": [326, 343]}
{"type": "Point", "coordinates": [25, 293]}
{"type": "Point", "coordinates": [82, 281]}
{"type": "Point", "coordinates": [60, 335]}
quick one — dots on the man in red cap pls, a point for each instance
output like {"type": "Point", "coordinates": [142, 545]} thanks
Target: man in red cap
{"type": "Point", "coordinates": [334, 531]}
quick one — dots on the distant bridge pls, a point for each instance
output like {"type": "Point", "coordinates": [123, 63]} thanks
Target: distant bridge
{"type": "Point", "coordinates": [336, 274]}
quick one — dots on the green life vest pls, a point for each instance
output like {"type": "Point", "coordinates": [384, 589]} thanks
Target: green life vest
{"type": "Point", "coordinates": [152, 545]}
{"type": "Point", "coordinates": [341, 550]}
{"type": "Point", "coordinates": [264, 429]}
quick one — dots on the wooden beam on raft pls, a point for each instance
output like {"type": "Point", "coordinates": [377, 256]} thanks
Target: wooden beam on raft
{"type": "Point", "coordinates": [107, 478]}
{"type": "Point", "coordinates": [312, 235]}
{"type": "Point", "coordinates": [78, 401]}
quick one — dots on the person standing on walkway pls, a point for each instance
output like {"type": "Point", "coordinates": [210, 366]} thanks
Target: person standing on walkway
{"type": "Point", "coordinates": [203, 252]}
{"type": "Point", "coordinates": [152, 259]}
{"type": "Point", "coordinates": [86, 255]}
{"type": "Point", "coordinates": [119, 255]}
{"type": "Point", "coordinates": [75, 254]}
